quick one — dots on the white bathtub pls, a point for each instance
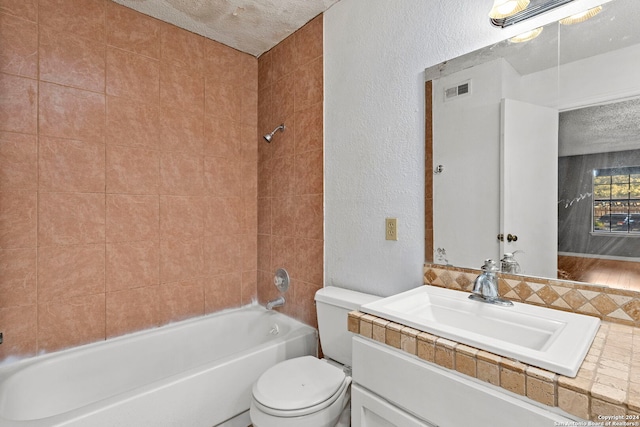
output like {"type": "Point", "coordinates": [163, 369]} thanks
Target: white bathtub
{"type": "Point", "coordinates": [193, 373]}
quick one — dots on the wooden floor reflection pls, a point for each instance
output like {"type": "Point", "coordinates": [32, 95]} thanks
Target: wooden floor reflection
{"type": "Point", "coordinates": [612, 273]}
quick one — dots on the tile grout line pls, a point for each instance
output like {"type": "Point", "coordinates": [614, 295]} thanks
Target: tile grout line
{"type": "Point", "coordinates": [104, 140]}
{"type": "Point", "coordinates": [37, 334]}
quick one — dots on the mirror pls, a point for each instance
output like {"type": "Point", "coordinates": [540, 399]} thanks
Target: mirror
{"type": "Point", "coordinates": [556, 199]}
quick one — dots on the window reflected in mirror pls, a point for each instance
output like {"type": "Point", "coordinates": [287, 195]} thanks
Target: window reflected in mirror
{"type": "Point", "coordinates": [616, 200]}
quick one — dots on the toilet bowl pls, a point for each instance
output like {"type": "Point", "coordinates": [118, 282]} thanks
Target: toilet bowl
{"type": "Point", "coordinates": [301, 392]}
{"type": "Point", "coordinates": [306, 391]}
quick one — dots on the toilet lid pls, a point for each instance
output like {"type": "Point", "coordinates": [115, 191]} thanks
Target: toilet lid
{"type": "Point", "coordinates": [298, 383]}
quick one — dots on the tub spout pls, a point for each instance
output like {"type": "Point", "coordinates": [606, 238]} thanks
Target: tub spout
{"type": "Point", "coordinates": [278, 302]}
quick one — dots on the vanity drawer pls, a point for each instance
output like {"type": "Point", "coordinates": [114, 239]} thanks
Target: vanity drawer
{"type": "Point", "coordinates": [439, 396]}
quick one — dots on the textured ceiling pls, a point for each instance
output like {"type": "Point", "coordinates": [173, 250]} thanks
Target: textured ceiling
{"type": "Point", "coordinates": [251, 26]}
{"type": "Point", "coordinates": [601, 128]}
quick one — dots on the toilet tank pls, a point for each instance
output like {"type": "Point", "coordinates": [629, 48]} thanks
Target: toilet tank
{"type": "Point", "coordinates": [333, 306]}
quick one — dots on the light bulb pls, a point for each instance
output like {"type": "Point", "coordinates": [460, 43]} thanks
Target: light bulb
{"type": "Point", "coordinates": [525, 37]}
{"type": "Point", "coordinates": [581, 17]}
{"type": "Point", "coordinates": [505, 8]}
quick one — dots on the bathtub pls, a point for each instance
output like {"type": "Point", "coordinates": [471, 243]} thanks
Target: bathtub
{"type": "Point", "coordinates": [197, 372]}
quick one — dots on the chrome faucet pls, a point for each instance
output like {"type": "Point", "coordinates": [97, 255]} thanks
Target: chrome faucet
{"type": "Point", "coordinates": [485, 287]}
{"type": "Point", "coordinates": [278, 302]}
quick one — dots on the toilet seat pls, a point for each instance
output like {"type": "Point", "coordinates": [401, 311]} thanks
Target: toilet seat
{"type": "Point", "coordinates": [298, 387]}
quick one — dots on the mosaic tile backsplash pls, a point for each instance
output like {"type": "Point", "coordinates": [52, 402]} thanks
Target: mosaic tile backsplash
{"type": "Point", "coordinates": [613, 305]}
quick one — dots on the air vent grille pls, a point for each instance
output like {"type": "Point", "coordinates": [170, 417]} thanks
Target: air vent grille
{"type": "Point", "coordinates": [461, 89]}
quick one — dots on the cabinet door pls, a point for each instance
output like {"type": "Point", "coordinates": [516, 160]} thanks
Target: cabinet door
{"type": "Point", "coordinates": [443, 397]}
{"type": "Point", "coordinates": [369, 410]}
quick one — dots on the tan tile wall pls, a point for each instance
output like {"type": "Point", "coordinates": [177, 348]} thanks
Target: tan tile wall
{"type": "Point", "coordinates": [613, 305]}
{"type": "Point", "coordinates": [128, 174]}
{"type": "Point", "coordinates": [607, 383]}
{"type": "Point", "coordinates": [290, 169]}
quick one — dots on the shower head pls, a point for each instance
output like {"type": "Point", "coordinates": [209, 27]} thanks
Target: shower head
{"type": "Point", "coordinates": [268, 137]}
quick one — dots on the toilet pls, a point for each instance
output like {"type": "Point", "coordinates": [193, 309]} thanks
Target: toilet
{"type": "Point", "coordinates": [307, 391]}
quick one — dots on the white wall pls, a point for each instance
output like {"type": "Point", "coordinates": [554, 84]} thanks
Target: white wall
{"type": "Point", "coordinates": [466, 141]}
{"type": "Point", "coordinates": [375, 53]}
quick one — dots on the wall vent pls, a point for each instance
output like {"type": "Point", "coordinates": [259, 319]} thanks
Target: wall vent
{"type": "Point", "coordinates": [461, 89]}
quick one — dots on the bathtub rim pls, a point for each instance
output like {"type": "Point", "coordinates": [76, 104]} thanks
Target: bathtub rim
{"type": "Point", "coordinates": [298, 330]}
{"type": "Point", "coordinates": [28, 359]}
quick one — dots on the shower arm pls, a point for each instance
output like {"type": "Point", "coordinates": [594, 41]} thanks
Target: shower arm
{"type": "Point", "coordinates": [269, 136]}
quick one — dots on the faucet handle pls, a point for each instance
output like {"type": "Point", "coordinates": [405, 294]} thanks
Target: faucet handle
{"type": "Point", "coordinates": [489, 266]}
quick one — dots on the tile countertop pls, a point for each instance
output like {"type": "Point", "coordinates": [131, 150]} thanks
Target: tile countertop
{"type": "Point", "coordinates": [607, 384]}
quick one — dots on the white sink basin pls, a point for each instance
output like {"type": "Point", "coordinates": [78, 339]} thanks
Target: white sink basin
{"type": "Point", "coordinates": [549, 339]}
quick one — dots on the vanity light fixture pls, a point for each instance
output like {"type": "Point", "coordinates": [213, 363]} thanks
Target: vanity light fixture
{"type": "Point", "coordinates": [525, 37]}
{"type": "Point", "coordinates": [505, 8]}
{"type": "Point", "coordinates": [526, 13]}
{"type": "Point", "coordinates": [582, 16]}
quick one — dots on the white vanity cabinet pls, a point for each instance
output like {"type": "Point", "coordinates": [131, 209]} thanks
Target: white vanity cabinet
{"type": "Point", "coordinates": [392, 388]}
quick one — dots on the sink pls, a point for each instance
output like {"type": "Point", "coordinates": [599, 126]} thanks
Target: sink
{"type": "Point", "coordinates": [550, 339]}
